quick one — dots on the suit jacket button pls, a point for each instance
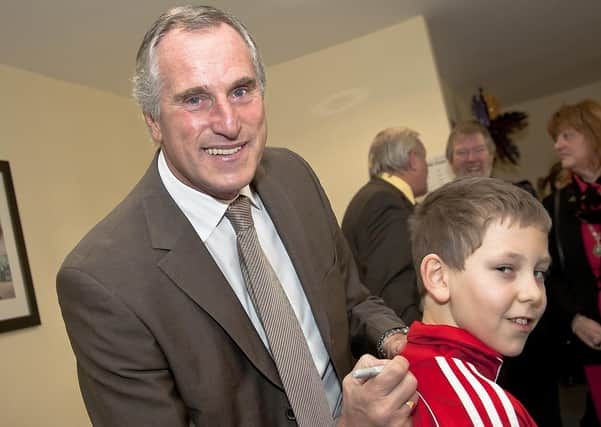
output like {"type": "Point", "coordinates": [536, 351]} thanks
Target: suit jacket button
{"type": "Point", "coordinates": [290, 414]}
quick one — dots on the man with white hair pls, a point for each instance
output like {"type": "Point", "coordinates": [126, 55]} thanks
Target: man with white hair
{"type": "Point", "coordinates": [375, 222]}
{"type": "Point", "coordinates": [221, 291]}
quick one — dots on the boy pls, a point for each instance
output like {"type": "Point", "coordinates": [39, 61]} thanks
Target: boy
{"type": "Point", "coordinates": [480, 246]}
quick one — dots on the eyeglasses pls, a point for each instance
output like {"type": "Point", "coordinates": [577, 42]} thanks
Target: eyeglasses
{"type": "Point", "coordinates": [475, 151]}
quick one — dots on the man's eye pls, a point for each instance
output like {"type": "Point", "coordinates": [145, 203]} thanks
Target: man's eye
{"type": "Point", "coordinates": [193, 100]}
{"type": "Point", "coordinates": [239, 92]}
{"type": "Point", "coordinates": [461, 153]}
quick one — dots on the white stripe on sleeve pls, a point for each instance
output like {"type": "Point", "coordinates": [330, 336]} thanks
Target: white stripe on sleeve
{"type": "Point", "coordinates": [509, 409]}
{"type": "Point", "coordinates": [461, 392]}
{"type": "Point", "coordinates": [481, 392]}
{"type": "Point", "coordinates": [427, 405]}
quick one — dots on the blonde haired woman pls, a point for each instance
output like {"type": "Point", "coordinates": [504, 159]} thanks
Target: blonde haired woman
{"type": "Point", "coordinates": [575, 240]}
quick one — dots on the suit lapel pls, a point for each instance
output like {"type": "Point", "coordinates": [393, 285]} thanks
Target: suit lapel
{"type": "Point", "coordinates": [190, 266]}
{"type": "Point", "coordinates": [290, 229]}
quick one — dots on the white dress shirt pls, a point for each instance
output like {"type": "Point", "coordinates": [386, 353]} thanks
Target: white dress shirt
{"type": "Point", "coordinates": [207, 216]}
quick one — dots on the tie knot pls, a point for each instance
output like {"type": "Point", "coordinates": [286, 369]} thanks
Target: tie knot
{"type": "Point", "coordinates": [238, 212]}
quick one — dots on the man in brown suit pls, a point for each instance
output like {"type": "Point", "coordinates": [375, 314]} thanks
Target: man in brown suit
{"type": "Point", "coordinates": [164, 331]}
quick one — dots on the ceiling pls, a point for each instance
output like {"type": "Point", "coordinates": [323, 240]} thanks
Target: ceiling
{"type": "Point", "coordinates": [518, 50]}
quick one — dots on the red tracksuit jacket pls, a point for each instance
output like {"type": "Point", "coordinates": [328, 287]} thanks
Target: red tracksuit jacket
{"type": "Point", "coordinates": [456, 376]}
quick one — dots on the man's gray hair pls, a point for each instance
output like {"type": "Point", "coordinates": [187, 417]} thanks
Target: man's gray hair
{"type": "Point", "coordinates": [469, 128]}
{"type": "Point", "coordinates": [390, 150]}
{"type": "Point", "coordinates": [147, 81]}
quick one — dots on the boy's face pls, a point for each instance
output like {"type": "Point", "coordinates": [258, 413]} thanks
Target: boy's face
{"type": "Point", "coordinates": [500, 295]}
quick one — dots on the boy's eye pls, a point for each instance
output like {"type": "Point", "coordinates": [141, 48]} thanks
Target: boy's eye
{"type": "Point", "coordinates": [541, 275]}
{"type": "Point", "coordinates": [504, 269]}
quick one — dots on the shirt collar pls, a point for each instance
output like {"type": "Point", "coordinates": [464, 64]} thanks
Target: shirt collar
{"type": "Point", "coordinates": [400, 184]}
{"type": "Point", "coordinates": [455, 342]}
{"type": "Point", "coordinates": [202, 210]}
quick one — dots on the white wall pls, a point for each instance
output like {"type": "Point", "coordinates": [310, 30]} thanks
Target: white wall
{"type": "Point", "coordinates": [457, 101]}
{"type": "Point", "coordinates": [535, 144]}
{"type": "Point", "coordinates": [74, 153]}
{"type": "Point", "coordinates": [329, 105]}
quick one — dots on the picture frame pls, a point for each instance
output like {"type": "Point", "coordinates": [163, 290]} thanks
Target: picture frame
{"type": "Point", "coordinates": [18, 306]}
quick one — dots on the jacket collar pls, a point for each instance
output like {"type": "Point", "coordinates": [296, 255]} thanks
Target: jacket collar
{"type": "Point", "coordinates": [189, 265]}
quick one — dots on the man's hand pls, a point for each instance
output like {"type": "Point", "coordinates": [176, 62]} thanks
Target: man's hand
{"type": "Point", "coordinates": [588, 331]}
{"type": "Point", "coordinates": [384, 400]}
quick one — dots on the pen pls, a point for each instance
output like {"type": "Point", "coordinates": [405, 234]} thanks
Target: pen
{"type": "Point", "coordinates": [367, 372]}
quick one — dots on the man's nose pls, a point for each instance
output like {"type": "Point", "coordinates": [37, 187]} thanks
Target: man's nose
{"type": "Point", "coordinates": [225, 120]}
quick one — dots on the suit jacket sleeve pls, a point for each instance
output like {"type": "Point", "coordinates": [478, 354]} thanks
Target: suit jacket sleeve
{"type": "Point", "coordinates": [389, 266]}
{"type": "Point", "coordinates": [121, 388]}
{"type": "Point", "coordinates": [368, 316]}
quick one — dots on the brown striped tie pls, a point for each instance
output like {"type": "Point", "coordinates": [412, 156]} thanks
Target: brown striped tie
{"type": "Point", "coordinates": [289, 348]}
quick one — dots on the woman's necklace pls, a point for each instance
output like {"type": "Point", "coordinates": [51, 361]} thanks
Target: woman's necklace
{"type": "Point", "coordinates": [597, 236]}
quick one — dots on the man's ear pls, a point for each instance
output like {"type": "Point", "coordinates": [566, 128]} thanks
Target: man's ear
{"type": "Point", "coordinates": [413, 158]}
{"type": "Point", "coordinates": [154, 128]}
{"type": "Point", "coordinates": [434, 273]}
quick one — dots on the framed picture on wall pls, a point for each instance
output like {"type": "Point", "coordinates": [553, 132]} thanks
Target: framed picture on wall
{"type": "Point", "coordinates": [18, 307]}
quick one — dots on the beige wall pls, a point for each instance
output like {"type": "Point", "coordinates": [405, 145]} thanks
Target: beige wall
{"type": "Point", "coordinates": [329, 105]}
{"type": "Point", "coordinates": [73, 152]}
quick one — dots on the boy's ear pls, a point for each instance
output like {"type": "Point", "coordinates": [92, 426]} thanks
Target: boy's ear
{"type": "Point", "coordinates": [434, 273]}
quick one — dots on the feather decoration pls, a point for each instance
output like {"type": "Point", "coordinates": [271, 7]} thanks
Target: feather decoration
{"type": "Point", "coordinates": [500, 127]}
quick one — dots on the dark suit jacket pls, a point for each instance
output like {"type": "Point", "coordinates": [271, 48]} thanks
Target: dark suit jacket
{"type": "Point", "coordinates": [159, 336]}
{"type": "Point", "coordinates": [573, 290]}
{"type": "Point", "coordinates": [375, 225]}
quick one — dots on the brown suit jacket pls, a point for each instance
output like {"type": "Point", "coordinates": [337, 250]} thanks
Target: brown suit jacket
{"type": "Point", "coordinates": [159, 336]}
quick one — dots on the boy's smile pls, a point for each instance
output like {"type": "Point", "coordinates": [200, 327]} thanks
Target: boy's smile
{"type": "Point", "coordinates": [499, 296]}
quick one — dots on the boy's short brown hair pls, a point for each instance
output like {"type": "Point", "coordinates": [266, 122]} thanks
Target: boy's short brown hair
{"type": "Point", "coordinates": [452, 220]}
